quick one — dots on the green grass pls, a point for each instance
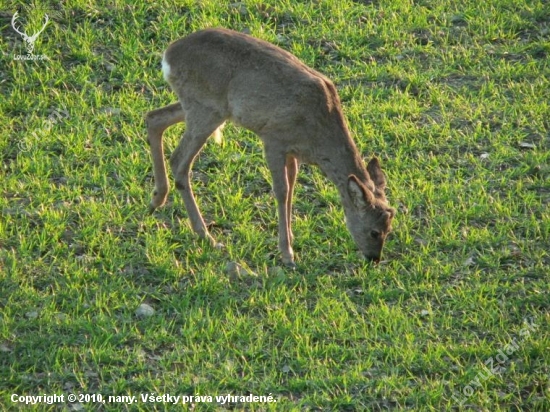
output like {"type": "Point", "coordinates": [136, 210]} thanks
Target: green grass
{"type": "Point", "coordinates": [452, 96]}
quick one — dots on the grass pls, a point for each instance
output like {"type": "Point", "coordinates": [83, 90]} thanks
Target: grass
{"type": "Point", "coordinates": [452, 96]}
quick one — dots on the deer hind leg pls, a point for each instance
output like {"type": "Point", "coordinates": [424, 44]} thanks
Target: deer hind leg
{"type": "Point", "coordinates": [291, 173]}
{"type": "Point", "coordinates": [276, 162]}
{"type": "Point", "coordinates": [157, 122]}
{"type": "Point", "coordinates": [200, 124]}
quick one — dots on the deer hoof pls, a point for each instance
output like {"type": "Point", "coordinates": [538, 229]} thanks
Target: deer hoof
{"type": "Point", "coordinates": [206, 237]}
{"type": "Point", "coordinates": [290, 265]}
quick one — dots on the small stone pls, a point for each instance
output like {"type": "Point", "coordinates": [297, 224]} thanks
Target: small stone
{"type": "Point", "coordinates": [234, 269]}
{"type": "Point", "coordinates": [4, 348]}
{"type": "Point", "coordinates": [469, 262]}
{"type": "Point", "coordinates": [527, 145]}
{"type": "Point", "coordinates": [240, 7]}
{"type": "Point", "coordinates": [32, 314]}
{"type": "Point", "coordinates": [144, 311]}
{"type": "Point", "coordinates": [237, 271]}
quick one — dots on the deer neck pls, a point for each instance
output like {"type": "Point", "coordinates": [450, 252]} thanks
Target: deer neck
{"type": "Point", "coordinates": [342, 160]}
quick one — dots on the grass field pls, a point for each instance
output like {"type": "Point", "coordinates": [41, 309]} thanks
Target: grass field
{"type": "Point", "coordinates": [454, 98]}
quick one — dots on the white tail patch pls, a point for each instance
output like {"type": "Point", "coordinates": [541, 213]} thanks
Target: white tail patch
{"type": "Point", "coordinates": [217, 135]}
{"type": "Point", "coordinates": [165, 68]}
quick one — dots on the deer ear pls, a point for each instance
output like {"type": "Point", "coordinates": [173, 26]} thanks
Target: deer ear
{"type": "Point", "coordinates": [389, 213]}
{"type": "Point", "coordinates": [376, 174]}
{"type": "Point", "coordinates": [360, 196]}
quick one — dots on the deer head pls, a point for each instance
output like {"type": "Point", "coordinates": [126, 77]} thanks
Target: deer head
{"type": "Point", "coordinates": [368, 215]}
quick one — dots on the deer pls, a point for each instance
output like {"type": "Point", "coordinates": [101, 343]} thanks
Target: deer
{"type": "Point", "coordinates": [221, 75]}
{"type": "Point", "coordinates": [29, 40]}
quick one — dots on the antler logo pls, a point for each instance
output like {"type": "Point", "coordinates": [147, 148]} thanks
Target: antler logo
{"type": "Point", "coordinates": [29, 40]}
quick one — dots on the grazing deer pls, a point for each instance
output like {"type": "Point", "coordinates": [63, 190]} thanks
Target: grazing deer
{"type": "Point", "coordinates": [221, 75]}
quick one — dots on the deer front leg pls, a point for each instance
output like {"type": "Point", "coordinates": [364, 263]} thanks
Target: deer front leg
{"type": "Point", "coordinates": [199, 128]}
{"type": "Point", "coordinates": [281, 189]}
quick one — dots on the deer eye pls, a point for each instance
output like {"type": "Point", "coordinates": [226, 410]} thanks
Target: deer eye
{"type": "Point", "coordinates": [375, 234]}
